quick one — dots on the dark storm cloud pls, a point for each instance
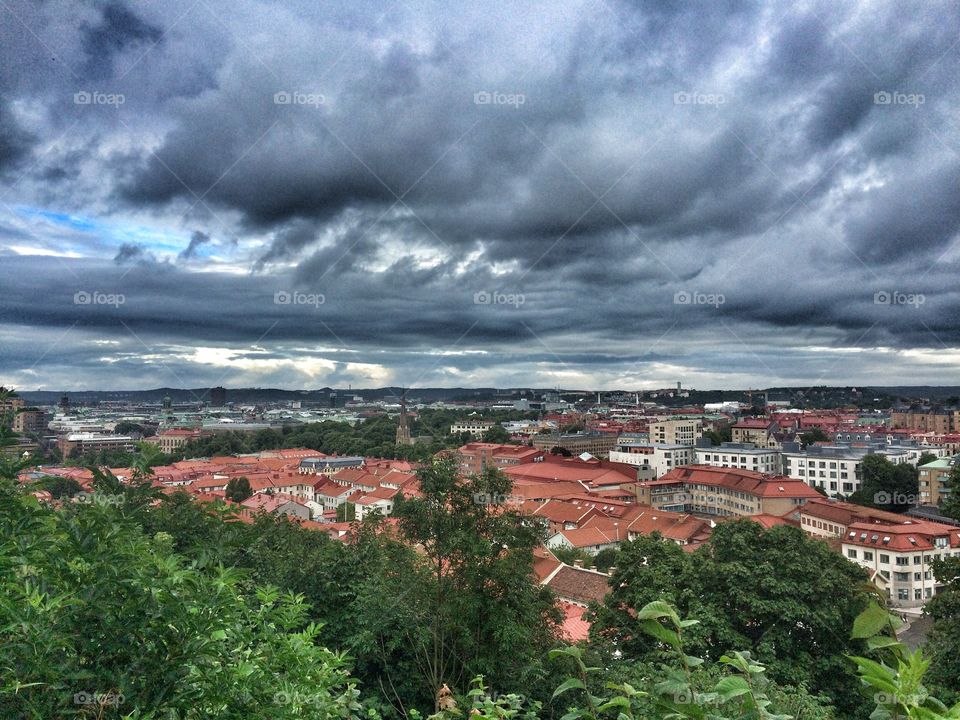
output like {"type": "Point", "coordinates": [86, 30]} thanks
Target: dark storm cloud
{"type": "Point", "coordinates": [129, 252]}
{"type": "Point", "coordinates": [602, 161]}
{"type": "Point", "coordinates": [15, 141]}
{"type": "Point", "coordinates": [118, 29]}
{"type": "Point", "coordinates": [197, 239]}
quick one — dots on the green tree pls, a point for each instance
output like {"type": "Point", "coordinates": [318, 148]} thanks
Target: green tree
{"type": "Point", "coordinates": [473, 607]}
{"type": "Point", "coordinates": [100, 620]}
{"type": "Point", "coordinates": [950, 505]}
{"type": "Point", "coordinates": [496, 434]}
{"type": "Point", "coordinates": [812, 436]}
{"type": "Point", "coordinates": [59, 487]}
{"type": "Point", "coordinates": [943, 642]}
{"type": "Point", "coordinates": [926, 458]}
{"type": "Point", "coordinates": [238, 489]}
{"type": "Point", "coordinates": [753, 589]}
{"type": "Point", "coordinates": [887, 486]}
{"type": "Point", "coordinates": [718, 437]}
{"type": "Point", "coordinates": [346, 512]}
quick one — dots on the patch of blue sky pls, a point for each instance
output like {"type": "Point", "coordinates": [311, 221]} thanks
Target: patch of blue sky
{"type": "Point", "coordinates": [112, 235]}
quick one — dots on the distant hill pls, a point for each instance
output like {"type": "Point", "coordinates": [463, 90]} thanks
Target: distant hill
{"type": "Point", "coordinates": [820, 396]}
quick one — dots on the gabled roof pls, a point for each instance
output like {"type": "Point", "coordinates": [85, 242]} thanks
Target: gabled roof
{"type": "Point", "coordinates": [746, 481]}
{"type": "Point", "coordinates": [591, 536]}
{"type": "Point", "coordinates": [579, 585]}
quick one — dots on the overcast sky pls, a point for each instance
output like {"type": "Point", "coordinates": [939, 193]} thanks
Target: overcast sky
{"type": "Point", "coordinates": [600, 194]}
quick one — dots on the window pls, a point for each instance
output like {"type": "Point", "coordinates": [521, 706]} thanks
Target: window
{"type": "Point", "coordinates": [867, 555]}
{"type": "Point", "coordinates": [885, 559]}
{"type": "Point", "coordinates": [852, 554]}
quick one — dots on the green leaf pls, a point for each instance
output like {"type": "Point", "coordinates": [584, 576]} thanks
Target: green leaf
{"type": "Point", "coordinates": [870, 622]}
{"type": "Point", "coordinates": [731, 687]}
{"type": "Point", "coordinates": [569, 684]}
{"type": "Point", "coordinates": [659, 609]}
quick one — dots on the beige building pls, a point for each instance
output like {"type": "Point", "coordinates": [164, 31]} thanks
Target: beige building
{"type": "Point", "coordinates": [597, 444]}
{"type": "Point", "coordinates": [757, 431]}
{"type": "Point", "coordinates": [934, 480]}
{"type": "Point", "coordinates": [94, 442]}
{"type": "Point", "coordinates": [726, 492]}
{"type": "Point", "coordinates": [170, 440]}
{"type": "Point", "coordinates": [936, 420]}
{"type": "Point", "coordinates": [30, 420]}
{"type": "Point", "coordinates": [683, 431]}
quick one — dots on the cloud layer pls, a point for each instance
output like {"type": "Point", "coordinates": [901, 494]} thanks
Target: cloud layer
{"type": "Point", "coordinates": [589, 194]}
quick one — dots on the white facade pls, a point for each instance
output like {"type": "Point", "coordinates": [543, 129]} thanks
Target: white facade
{"type": "Point", "coordinates": [835, 473]}
{"type": "Point", "coordinates": [662, 458]}
{"type": "Point", "coordinates": [474, 427]}
{"type": "Point", "coordinates": [907, 574]}
{"type": "Point", "coordinates": [740, 455]}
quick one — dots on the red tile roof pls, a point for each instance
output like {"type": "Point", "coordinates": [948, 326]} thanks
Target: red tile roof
{"type": "Point", "coordinates": [746, 481]}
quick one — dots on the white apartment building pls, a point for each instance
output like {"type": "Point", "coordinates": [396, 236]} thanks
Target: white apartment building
{"type": "Point", "coordinates": [836, 469]}
{"type": "Point", "coordinates": [898, 556]}
{"type": "Point", "coordinates": [474, 427]}
{"type": "Point", "coordinates": [745, 456]}
{"type": "Point", "coordinates": [661, 457]}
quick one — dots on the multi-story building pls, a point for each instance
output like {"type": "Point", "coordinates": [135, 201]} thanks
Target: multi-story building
{"type": "Point", "coordinates": [30, 420]}
{"type": "Point", "coordinates": [898, 556]}
{"type": "Point", "coordinates": [927, 419]}
{"type": "Point", "coordinates": [934, 480]}
{"type": "Point", "coordinates": [827, 518]}
{"type": "Point", "coordinates": [727, 492]}
{"type": "Point", "coordinates": [93, 442]}
{"type": "Point", "coordinates": [757, 431]}
{"type": "Point", "coordinates": [318, 465]}
{"type": "Point", "coordinates": [170, 440]}
{"type": "Point", "coordinates": [746, 456]}
{"type": "Point", "coordinates": [679, 431]}
{"type": "Point", "coordinates": [661, 457]}
{"type": "Point", "coordinates": [475, 457]}
{"type": "Point", "coordinates": [597, 444]}
{"type": "Point", "coordinates": [473, 427]}
{"type": "Point", "coordinates": [835, 469]}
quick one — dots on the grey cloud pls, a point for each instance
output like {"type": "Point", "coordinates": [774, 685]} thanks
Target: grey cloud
{"type": "Point", "coordinates": [197, 239]}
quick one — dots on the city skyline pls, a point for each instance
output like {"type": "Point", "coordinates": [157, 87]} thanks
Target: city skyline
{"type": "Point", "coordinates": [579, 194]}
